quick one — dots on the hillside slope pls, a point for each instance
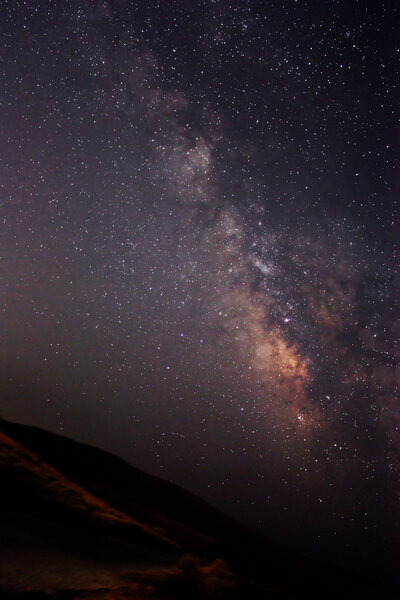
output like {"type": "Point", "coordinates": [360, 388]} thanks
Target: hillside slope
{"type": "Point", "coordinates": [76, 517]}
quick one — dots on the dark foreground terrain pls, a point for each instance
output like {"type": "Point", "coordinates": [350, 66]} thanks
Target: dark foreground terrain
{"type": "Point", "coordinates": [77, 522]}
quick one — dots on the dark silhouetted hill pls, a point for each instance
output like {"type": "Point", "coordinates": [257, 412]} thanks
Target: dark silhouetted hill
{"type": "Point", "coordinates": [79, 522]}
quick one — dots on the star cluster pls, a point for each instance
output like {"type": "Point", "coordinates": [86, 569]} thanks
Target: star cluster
{"type": "Point", "coordinates": [198, 248]}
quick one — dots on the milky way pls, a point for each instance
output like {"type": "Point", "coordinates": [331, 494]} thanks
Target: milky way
{"type": "Point", "coordinates": [198, 252]}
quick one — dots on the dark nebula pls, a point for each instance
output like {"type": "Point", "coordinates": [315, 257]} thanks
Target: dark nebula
{"type": "Point", "coordinates": [198, 252]}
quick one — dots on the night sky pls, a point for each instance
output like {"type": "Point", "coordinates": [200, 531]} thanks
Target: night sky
{"type": "Point", "coordinates": [198, 248]}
